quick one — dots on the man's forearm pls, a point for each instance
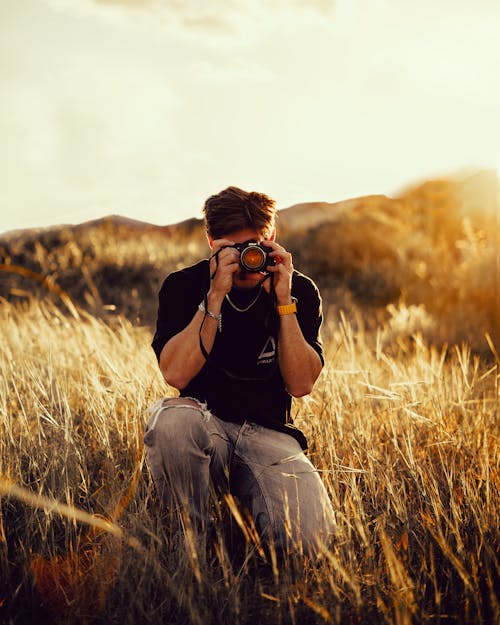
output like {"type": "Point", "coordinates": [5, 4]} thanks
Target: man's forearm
{"type": "Point", "coordinates": [181, 358]}
{"type": "Point", "coordinates": [300, 364]}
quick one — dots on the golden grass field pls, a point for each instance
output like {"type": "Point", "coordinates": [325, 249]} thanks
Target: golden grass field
{"type": "Point", "coordinates": [403, 425]}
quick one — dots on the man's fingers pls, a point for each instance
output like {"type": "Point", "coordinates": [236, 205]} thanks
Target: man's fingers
{"type": "Point", "coordinates": [225, 255]}
{"type": "Point", "coordinates": [225, 262]}
{"type": "Point", "coordinates": [228, 256]}
{"type": "Point", "coordinates": [282, 258]}
{"type": "Point", "coordinates": [280, 255]}
{"type": "Point", "coordinates": [281, 268]}
{"type": "Point", "coordinates": [219, 244]}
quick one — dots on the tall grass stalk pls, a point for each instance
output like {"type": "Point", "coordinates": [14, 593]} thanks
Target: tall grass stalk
{"type": "Point", "coordinates": [405, 437]}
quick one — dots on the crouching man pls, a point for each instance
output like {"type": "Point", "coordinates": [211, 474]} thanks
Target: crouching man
{"type": "Point", "coordinates": [238, 336]}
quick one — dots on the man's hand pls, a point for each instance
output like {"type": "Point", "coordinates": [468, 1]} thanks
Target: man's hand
{"type": "Point", "coordinates": [223, 267]}
{"type": "Point", "coordinates": [282, 271]}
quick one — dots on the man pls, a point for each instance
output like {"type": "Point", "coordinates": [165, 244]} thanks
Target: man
{"type": "Point", "coordinates": [238, 343]}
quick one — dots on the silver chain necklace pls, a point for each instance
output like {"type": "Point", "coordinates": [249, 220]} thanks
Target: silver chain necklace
{"type": "Point", "coordinates": [233, 305]}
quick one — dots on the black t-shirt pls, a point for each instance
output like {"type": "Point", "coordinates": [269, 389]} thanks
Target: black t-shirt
{"type": "Point", "coordinates": [241, 379]}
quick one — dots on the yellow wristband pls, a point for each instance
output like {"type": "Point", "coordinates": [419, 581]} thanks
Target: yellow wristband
{"type": "Point", "coordinates": [287, 309]}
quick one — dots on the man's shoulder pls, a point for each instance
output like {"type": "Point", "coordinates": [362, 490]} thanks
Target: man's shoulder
{"type": "Point", "coordinates": [193, 273]}
{"type": "Point", "coordinates": [303, 283]}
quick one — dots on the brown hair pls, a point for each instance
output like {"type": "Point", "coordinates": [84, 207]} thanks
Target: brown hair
{"type": "Point", "coordinates": [234, 209]}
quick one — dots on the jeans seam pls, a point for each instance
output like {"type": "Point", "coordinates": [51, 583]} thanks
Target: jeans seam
{"type": "Point", "coordinates": [266, 498]}
{"type": "Point", "coordinates": [161, 405]}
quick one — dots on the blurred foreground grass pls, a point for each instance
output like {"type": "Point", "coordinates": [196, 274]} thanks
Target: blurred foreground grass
{"type": "Point", "coordinates": [406, 440]}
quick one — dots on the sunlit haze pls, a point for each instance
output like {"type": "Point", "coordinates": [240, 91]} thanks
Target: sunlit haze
{"type": "Point", "coordinates": [143, 108]}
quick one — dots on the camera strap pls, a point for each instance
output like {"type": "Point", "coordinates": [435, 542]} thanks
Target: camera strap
{"type": "Point", "coordinates": [216, 256]}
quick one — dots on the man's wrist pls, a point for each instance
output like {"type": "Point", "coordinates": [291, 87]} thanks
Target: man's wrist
{"type": "Point", "coordinates": [214, 301]}
{"type": "Point", "coordinates": [288, 307]}
{"type": "Point", "coordinates": [210, 313]}
{"type": "Point", "coordinates": [283, 300]}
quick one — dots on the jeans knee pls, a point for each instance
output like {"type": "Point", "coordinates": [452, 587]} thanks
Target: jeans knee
{"type": "Point", "coordinates": [176, 421]}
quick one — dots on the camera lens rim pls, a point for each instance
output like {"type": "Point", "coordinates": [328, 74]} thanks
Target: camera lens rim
{"type": "Point", "coordinates": [250, 265]}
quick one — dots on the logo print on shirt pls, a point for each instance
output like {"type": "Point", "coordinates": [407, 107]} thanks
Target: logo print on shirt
{"type": "Point", "coordinates": [268, 352]}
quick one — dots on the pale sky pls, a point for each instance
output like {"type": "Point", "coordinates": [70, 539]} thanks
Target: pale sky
{"type": "Point", "coordinates": [146, 107]}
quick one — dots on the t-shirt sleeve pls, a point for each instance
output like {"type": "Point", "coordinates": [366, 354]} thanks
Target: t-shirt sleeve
{"type": "Point", "coordinates": [177, 303]}
{"type": "Point", "coordinates": [310, 313]}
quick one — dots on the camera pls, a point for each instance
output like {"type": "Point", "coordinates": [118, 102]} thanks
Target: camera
{"type": "Point", "coordinates": [254, 256]}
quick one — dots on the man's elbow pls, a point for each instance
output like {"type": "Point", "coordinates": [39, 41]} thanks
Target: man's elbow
{"type": "Point", "coordinates": [173, 378]}
{"type": "Point", "coordinates": [300, 390]}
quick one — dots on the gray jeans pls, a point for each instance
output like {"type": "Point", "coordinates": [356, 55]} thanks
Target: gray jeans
{"type": "Point", "coordinates": [190, 451]}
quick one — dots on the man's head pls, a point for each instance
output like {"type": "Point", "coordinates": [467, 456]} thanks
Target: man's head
{"type": "Point", "coordinates": [233, 209]}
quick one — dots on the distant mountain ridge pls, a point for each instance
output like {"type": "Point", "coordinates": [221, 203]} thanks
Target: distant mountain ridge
{"type": "Point", "coordinates": [481, 187]}
{"type": "Point", "coordinates": [310, 214]}
{"type": "Point", "coordinates": [298, 216]}
{"type": "Point", "coordinates": [114, 221]}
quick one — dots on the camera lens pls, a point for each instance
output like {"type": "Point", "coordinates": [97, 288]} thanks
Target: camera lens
{"type": "Point", "coordinates": [253, 258]}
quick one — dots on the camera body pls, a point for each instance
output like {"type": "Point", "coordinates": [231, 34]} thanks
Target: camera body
{"type": "Point", "coordinates": [254, 256]}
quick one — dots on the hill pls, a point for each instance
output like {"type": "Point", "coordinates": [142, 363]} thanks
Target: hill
{"type": "Point", "coordinates": [425, 261]}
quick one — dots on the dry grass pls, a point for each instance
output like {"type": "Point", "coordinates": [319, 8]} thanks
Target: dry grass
{"type": "Point", "coordinates": [406, 439]}
{"type": "Point", "coordinates": [427, 261]}
{"type": "Point", "coordinates": [433, 252]}
{"type": "Point", "coordinates": [403, 425]}
{"type": "Point", "coordinates": [103, 267]}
